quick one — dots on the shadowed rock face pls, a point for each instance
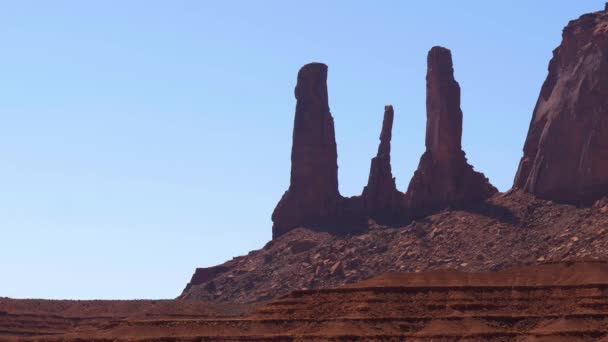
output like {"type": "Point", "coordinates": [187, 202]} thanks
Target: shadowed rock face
{"type": "Point", "coordinates": [566, 151]}
{"type": "Point", "coordinates": [382, 201]}
{"type": "Point", "coordinates": [313, 199]}
{"type": "Point", "coordinates": [314, 158]}
{"type": "Point", "coordinates": [444, 117]}
{"type": "Point", "coordinates": [443, 176]}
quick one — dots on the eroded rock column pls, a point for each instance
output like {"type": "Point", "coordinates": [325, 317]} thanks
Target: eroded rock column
{"type": "Point", "coordinates": [313, 198]}
{"type": "Point", "coordinates": [444, 177]}
{"type": "Point", "coordinates": [382, 200]}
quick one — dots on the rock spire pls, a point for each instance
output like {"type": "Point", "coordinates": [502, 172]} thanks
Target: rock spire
{"type": "Point", "coordinates": [443, 176]}
{"type": "Point", "coordinates": [313, 197]}
{"type": "Point", "coordinates": [381, 199]}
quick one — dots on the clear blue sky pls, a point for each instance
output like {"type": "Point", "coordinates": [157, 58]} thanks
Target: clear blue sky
{"type": "Point", "coordinates": [141, 139]}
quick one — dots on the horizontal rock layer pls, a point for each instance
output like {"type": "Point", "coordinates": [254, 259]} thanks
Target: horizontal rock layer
{"type": "Point", "coordinates": [553, 302]}
{"type": "Point", "coordinates": [506, 230]}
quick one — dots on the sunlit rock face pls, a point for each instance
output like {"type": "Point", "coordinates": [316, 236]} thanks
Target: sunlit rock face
{"type": "Point", "coordinates": [566, 151]}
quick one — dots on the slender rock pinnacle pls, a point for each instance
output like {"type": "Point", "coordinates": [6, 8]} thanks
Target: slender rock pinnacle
{"type": "Point", "coordinates": [381, 199]}
{"type": "Point", "coordinates": [444, 177]}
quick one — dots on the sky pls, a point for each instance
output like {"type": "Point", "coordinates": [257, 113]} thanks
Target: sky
{"type": "Point", "coordinates": [142, 139]}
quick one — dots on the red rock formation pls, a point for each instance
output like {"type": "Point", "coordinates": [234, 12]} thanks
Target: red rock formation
{"type": "Point", "coordinates": [204, 274]}
{"type": "Point", "coordinates": [443, 176]}
{"type": "Point", "coordinates": [313, 199]}
{"type": "Point", "coordinates": [556, 302]}
{"type": "Point", "coordinates": [566, 151]}
{"type": "Point", "coordinates": [381, 199]}
{"type": "Point", "coordinates": [515, 228]}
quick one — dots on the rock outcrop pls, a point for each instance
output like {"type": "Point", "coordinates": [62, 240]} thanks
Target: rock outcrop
{"type": "Point", "coordinates": [443, 176]}
{"type": "Point", "coordinates": [381, 199]}
{"type": "Point", "coordinates": [313, 199]}
{"type": "Point", "coordinates": [515, 228]}
{"type": "Point", "coordinates": [207, 274]}
{"type": "Point", "coordinates": [566, 151]}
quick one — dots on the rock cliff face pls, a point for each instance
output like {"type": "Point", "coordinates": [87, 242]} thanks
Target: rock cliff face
{"type": "Point", "coordinates": [381, 199]}
{"type": "Point", "coordinates": [566, 151]}
{"type": "Point", "coordinates": [443, 176]}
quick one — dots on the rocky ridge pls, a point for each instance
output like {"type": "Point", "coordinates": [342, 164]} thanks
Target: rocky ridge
{"type": "Point", "coordinates": [509, 229]}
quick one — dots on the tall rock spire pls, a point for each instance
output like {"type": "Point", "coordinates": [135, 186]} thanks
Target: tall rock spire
{"type": "Point", "coordinates": [381, 199]}
{"type": "Point", "coordinates": [566, 151]}
{"type": "Point", "coordinates": [312, 198]}
{"type": "Point", "coordinates": [443, 114]}
{"type": "Point", "coordinates": [386, 134]}
{"type": "Point", "coordinates": [443, 176]}
{"type": "Point", "coordinates": [314, 156]}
